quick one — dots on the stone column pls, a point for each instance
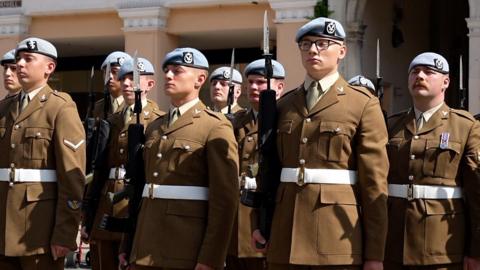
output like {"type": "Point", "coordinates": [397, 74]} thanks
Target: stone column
{"type": "Point", "coordinates": [289, 17]}
{"type": "Point", "coordinates": [473, 85]}
{"type": "Point", "coordinates": [144, 28]}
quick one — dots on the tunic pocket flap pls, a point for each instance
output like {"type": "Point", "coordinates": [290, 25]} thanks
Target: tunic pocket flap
{"type": "Point", "coordinates": [443, 207]}
{"type": "Point", "coordinates": [40, 192]}
{"type": "Point", "coordinates": [187, 145]}
{"type": "Point", "coordinates": [336, 128]}
{"type": "Point", "coordinates": [337, 194]}
{"type": "Point", "coordinates": [38, 133]}
{"type": "Point", "coordinates": [187, 208]}
{"type": "Point", "coordinates": [453, 146]}
{"type": "Point", "coordinates": [285, 126]}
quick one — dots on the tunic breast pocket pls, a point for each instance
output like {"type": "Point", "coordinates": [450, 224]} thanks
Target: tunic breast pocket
{"type": "Point", "coordinates": [441, 162]}
{"type": "Point", "coordinates": [284, 138]}
{"type": "Point", "coordinates": [185, 157]}
{"type": "Point", "coordinates": [334, 141]}
{"type": "Point", "coordinates": [393, 150]}
{"type": "Point", "coordinates": [37, 142]}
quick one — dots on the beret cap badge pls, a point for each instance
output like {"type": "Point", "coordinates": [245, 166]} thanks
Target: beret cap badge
{"type": "Point", "coordinates": [226, 74]}
{"type": "Point", "coordinates": [32, 45]}
{"type": "Point", "coordinates": [330, 28]}
{"type": "Point", "coordinates": [188, 57]}
{"type": "Point", "coordinates": [120, 60]}
{"type": "Point", "coordinates": [141, 66]}
{"type": "Point", "coordinates": [438, 63]}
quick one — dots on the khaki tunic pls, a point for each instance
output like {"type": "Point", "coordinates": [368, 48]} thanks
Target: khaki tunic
{"type": "Point", "coordinates": [48, 134]}
{"type": "Point", "coordinates": [117, 157]}
{"type": "Point", "coordinates": [434, 231]}
{"type": "Point", "coordinates": [245, 128]}
{"type": "Point", "coordinates": [331, 224]}
{"type": "Point", "coordinates": [199, 149]}
{"type": "Point", "coordinates": [98, 109]}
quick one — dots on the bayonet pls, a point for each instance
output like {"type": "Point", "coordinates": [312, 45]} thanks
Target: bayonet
{"type": "Point", "coordinates": [106, 93]}
{"type": "Point", "coordinates": [379, 85]}
{"type": "Point", "coordinates": [231, 86]}
{"type": "Point", "coordinates": [137, 109]}
{"type": "Point", "coordinates": [462, 91]}
{"type": "Point", "coordinates": [266, 34]}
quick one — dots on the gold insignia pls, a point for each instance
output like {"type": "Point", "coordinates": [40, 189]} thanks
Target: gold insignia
{"type": "Point", "coordinates": [146, 113]}
{"type": "Point", "coordinates": [340, 89]}
{"type": "Point", "coordinates": [74, 204]}
{"type": "Point", "coordinates": [197, 111]}
{"type": "Point", "coordinates": [445, 113]}
{"type": "Point", "coordinates": [43, 98]}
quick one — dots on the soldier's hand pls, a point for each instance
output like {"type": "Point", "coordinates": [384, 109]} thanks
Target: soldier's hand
{"type": "Point", "coordinates": [84, 235]}
{"type": "Point", "coordinates": [123, 263]}
{"type": "Point", "coordinates": [59, 251]}
{"type": "Point", "coordinates": [200, 266]}
{"type": "Point", "coordinates": [471, 263]}
{"type": "Point", "coordinates": [373, 265]}
{"type": "Point", "coordinates": [257, 237]}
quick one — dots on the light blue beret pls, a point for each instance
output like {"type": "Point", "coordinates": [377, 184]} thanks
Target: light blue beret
{"type": "Point", "coordinates": [257, 67]}
{"type": "Point", "coordinates": [143, 65]}
{"type": "Point", "coordinates": [116, 58]}
{"type": "Point", "coordinates": [36, 45]}
{"type": "Point", "coordinates": [360, 80]}
{"type": "Point", "coordinates": [432, 60]}
{"type": "Point", "coordinates": [322, 27]}
{"type": "Point", "coordinates": [189, 57]}
{"type": "Point", "coordinates": [8, 57]}
{"type": "Point", "coordinates": [223, 74]}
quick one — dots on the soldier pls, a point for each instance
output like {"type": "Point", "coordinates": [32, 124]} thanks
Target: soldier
{"type": "Point", "coordinates": [42, 173]}
{"type": "Point", "coordinates": [241, 254]}
{"type": "Point", "coordinates": [108, 243]}
{"type": "Point", "coordinates": [360, 80]}
{"type": "Point", "coordinates": [10, 78]}
{"type": "Point", "coordinates": [331, 143]}
{"type": "Point", "coordinates": [115, 60]}
{"type": "Point", "coordinates": [219, 89]}
{"type": "Point", "coordinates": [434, 184]}
{"type": "Point", "coordinates": [191, 167]}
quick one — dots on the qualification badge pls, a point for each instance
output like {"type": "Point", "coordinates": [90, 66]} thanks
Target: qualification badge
{"type": "Point", "coordinates": [444, 140]}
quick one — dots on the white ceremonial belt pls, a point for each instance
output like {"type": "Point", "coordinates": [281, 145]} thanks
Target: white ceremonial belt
{"type": "Point", "coordinates": [154, 191]}
{"type": "Point", "coordinates": [13, 175]}
{"type": "Point", "coordinates": [303, 176]}
{"type": "Point", "coordinates": [412, 192]}
{"type": "Point", "coordinates": [117, 173]}
{"type": "Point", "coordinates": [248, 182]}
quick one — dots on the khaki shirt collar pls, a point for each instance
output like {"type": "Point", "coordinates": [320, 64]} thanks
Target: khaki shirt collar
{"type": "Point", "coordinates": [119, 100]}
{"type": "Point", "coordinates": [427, 114]}
{"type": "Point", "coordinates": [32, 93]}
{"type": "Point", "coordinates": [144, 104]}
{"type": "Point", "coordinates": [326, 82]}
{"type": "Point", "coordinates": [185, 107]}
{"type": "Point", "coordinates": [224, 110]}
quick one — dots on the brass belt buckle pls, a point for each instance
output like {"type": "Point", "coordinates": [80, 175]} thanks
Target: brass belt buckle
{"type": "Point", "coordinates": [410, 192]}
{"type": "Point", "coordinates": [150, 191]}
{"type": "Point", "coordinates": [12, 176]}
{"type": "Point", "coordinates": [301, 176]}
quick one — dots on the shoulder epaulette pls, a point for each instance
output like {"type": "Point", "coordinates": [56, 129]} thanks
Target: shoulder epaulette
{"type": "Point", "coordinates": [463, 113]}
{"type": "Point", "coordinates": [362, 90]}
{"type": "Point", "coordinates": [66, 97]}
{"type": "Point", "coordinates": [217, 115]}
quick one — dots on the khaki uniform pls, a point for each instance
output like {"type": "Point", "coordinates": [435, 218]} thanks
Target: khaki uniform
{"type": "Point", "coordinates": [235, 108]}
{"type": "Point", "coordinates": [108, 242]}
{"type": "Point", "coordinates": [331, 224]}
{"type": "Point", "coordinates": [198, 149]}
{"type": "Point", "coordinates": [241, 254]}
{"type": "Point", "coordinates": [47, 135]}
{"type": "Point", "coordinates": [98, 109]}
{"type": "Point", "coordinates": [434, 231]}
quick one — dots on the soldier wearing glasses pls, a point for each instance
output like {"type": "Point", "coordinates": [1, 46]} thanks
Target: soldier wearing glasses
{"type": "Point", "coordinates": [434, 180]}
{"type": "Point", "coordinates": [331, 205]}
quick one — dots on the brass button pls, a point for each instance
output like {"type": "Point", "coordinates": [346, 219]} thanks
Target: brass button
{"type": "Point", "coordinates": [12, 145]}
{"type": "Point", "coordinates": [121, 150]}
{"type": "Point", "coordinates": [412, 157]}
{"type": "Point", "coordinates": [38, 134]}
{"type": "Point", "coordinates": [187, 147]}
{"type": "Point", "coordinates": [308, 120]}
{"type": "Point", "coordinates": [17, 127]}
{"type": "Point", "coordinates": [159, 155]}
{"type": "Point", "coordinates": [249, 139]}
{"type": "Point", "coordinates": [410, 177]}
{"type": "Point", "coordinates": [302, 161]}
{"type": "Point", "coordinates": [416, 137]}
{"type": "Point", "coordinates": [305, 140]}
{"type": "Point", "coordinates": [164, 137]}
{"type": "Point", "coordinates": [12, 165]}
{"type": "Point", "coordinates": [122, 134]}
{"type": "Point", "coordinates": [155, 174]}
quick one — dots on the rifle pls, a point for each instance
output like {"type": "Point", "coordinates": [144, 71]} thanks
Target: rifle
{"type": "Point", "coordinates": [134, 176]}
{"type": "Point", "coordinates": [99, 159]}
{"type": "Point", "coordinates": [269, 166]}
{"type": "Point", "coordinates": [89, 122]}
{"type": "Point", "coordinates": [379, 82]}
{"type": "Point", "coordinates": [231, 85]}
